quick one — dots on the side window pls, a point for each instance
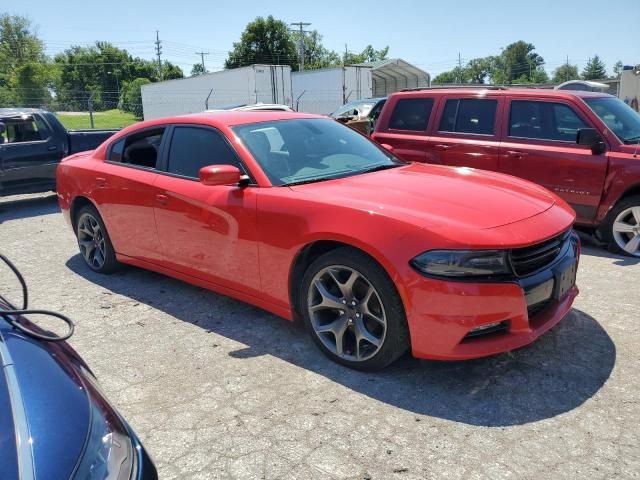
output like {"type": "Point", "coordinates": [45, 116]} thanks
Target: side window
{"type": "Point", "coordinates": [469, 115]}
{"type": "Point", "coordinates": [115, 154]}
{"type": "Point", "coordinates": [411, 114]}
{"type": "Point", "coordinates": [141, 149]}
{"type": "Point", "coordinates": [543, 121]}
{"type": "Point", "coordinates": [26, 130]}
{"type": "Point", "coordinates": [193, 148]}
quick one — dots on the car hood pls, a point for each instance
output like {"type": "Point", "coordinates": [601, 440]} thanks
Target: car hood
{"type": "Point", "coordinates": [433, 195]}
{"type": "Point", "coordinates": [43, 400]}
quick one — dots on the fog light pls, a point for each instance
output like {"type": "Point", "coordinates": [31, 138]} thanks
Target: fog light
{"type": "Point", "coordinates": [487, 328]}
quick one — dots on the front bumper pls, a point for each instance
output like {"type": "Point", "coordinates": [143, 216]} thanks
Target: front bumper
{"type": "Point", "coordinates": [444, 315]}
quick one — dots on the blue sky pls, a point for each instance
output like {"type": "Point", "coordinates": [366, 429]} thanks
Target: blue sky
{"type": "Point", "coordinates": [427, 33]}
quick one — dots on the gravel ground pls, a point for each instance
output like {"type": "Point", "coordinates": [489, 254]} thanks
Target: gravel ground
{"type": "Point", "coordinates": [218, 389]}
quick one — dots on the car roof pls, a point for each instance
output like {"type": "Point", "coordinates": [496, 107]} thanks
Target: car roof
{"type": "Point", "coordinates": [501, 91]}
{"type": "Point", "coordinates": [223, 118]}
{"type": "Point", "coordinates": [14, 112]}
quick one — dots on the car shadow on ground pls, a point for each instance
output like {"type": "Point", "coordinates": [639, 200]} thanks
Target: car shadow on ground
{"type": "Point", "coordinates": [28, 206]}
{"type": "Point", "coordinates": [556, 374]}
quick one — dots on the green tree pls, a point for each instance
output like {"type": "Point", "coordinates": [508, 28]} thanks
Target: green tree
{"type": "Point", "coordinates": [197, 69]}
{"type": "Point", "coordinates": [25, 73]}
{"type": "Point", "coordinates": [477, 70]}
{"type": "Point", "coordinates": [315, 53]}
{"type": "Point", "coordinates": [131, 99]}
{"type": "Point", "coordinates": [594, 69]}
{"type": "Point", "coordinates": [565, 72]}
{"type": "Point", "coordinates": [457, 75]}
{"type": "Point", "coordinates": [369, 54]}
{"type": "Point", "coordinates": [518, 63]}
{"type": "Point", "coordinates": [169, 72]}
{"type": "Point", "coordinates": [98, 71]}
{"type": "Point", "coordinates": [617, 69]}
{"type": "Point", "coordinates": [265, 40]}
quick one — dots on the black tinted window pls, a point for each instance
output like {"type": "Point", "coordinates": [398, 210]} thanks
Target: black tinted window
{"type": "Point", "coordinates": [544, 120]}
{"type": "Point", "coordinates": [27, 130]}
{"type": "Point", "coordinates": [411, 114]}
{"type": "Point", "coordinates": [141, 149]}
{"type": "Point", "coordinates": [469, 115]}
{"type": "Point", "coordinates": [193, 148]}
{"type": "Point", "coordinates": [115, 155]}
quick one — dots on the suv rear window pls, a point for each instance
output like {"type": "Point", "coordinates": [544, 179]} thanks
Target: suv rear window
{"type": "Point", "coordinates": [411, 114]}
{"type": "Point", "coordinates": [469, 115]}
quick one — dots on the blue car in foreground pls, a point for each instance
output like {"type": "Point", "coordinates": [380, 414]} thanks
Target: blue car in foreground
{"type": "Point", "coordinates": [54, 421]}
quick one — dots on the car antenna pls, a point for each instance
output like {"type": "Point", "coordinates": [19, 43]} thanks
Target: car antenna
{"type": "Point", "coordinates": [635, 154]}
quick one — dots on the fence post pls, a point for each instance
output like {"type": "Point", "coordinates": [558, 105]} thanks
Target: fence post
{"type": "Point", "coordinates": [90, 105]}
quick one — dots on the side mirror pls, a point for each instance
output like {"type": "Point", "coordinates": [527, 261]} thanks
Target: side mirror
{"type": "Point", "coordinates": [213, 175]}
{"type": "Point", "coordinates": [589, 137]}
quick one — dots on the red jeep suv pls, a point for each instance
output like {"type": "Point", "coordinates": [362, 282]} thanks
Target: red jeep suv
{"type": "Point", "coordinates": [584, 146]}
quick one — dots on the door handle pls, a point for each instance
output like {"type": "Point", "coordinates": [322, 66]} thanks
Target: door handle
{"type": "Point", "coordinates": [162, 199]}
{"type": "Point", "coordinates": [52, 148]}
{"type": "Point", "coordinates": [442, 146]}
{"type": "Point", "coordinates": [515, 153]}
{"type": "Point", "coordinates": [101, 182]}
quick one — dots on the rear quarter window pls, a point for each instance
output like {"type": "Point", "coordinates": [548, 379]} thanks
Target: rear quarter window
{"type": "Point", "coordinates": [411, 114]}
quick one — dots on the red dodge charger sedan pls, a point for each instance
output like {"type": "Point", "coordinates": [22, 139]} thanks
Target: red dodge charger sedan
{"type": "Point", "coordinates": [306, 218]}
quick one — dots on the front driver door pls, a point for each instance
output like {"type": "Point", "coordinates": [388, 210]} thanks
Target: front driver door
{"type": "Point", "coordinates": [540, 145]}
{"type": "Point", "coordinates": [207, 232]}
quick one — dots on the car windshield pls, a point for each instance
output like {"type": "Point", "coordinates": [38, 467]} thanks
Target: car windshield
{"type": "Point", "coordinates": [618, 116]}
{"type": "Point", "coordinates": [363, 109]}
{"type": "Point", "coordinates": [311, 150]}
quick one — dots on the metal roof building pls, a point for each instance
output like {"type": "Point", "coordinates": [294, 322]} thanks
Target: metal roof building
{"type": "Point", "coordinates": [394, 74]}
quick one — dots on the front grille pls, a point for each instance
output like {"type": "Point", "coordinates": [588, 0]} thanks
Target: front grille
{"type": "Point", "coordinates": [531, 259]}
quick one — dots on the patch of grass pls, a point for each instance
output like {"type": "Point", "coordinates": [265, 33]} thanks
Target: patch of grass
{"type": "Point", "coordinates": [107, 119]}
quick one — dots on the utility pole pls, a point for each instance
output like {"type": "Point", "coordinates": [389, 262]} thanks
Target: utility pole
{"type": "Point", "coordinates": [202, 54]}
{"type": "Point", "coordinates": [566, 71]}
{"type": "Point", "coordinates": [159, 53]}
{"type": "Point", "coordinates": [301, 47]}
{"type": "Point", "coordinates": [459, 68]}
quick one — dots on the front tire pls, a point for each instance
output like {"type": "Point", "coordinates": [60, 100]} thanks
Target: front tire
{"type": "Point", "coordinates": [353, 310]}
{"type": "Point", "coordinates": [622, 227]}
{"type": "Point", "coordinates": [94, 242]}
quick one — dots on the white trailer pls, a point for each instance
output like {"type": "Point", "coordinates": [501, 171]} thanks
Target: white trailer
{"type": "Point", "coordinates": [323, 91]}
{"type": "Point", "coordinates": [247, 85]}
{"type": "Point", "coordinates": [630, 87]}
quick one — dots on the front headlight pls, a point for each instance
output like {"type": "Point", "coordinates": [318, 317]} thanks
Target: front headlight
{"type": "Point", "coordinates": [462, 263]}
{"type": "Point", "coordinates": [109, 453]}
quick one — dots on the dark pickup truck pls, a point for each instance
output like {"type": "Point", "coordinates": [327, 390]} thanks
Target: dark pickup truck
{"type": "Point", "coordinates": [32, 143]}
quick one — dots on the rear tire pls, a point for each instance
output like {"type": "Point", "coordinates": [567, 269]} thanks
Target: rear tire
{"type": "Point", "coordinates": [621, 228]}
{"type": "Point", "coordinates": [353, 310]}
{"type": "Point", "coordinates": [94, 242]}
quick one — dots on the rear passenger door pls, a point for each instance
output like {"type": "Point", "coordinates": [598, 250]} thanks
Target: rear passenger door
{"type": "Point", "coordinates": [124, 189]}
{"type": "Point", "coordinates": [466, 133]}
{"type": "Point", "coordinates": [406, 130]}
{"type": "Point", "coordinates": [540, 145]}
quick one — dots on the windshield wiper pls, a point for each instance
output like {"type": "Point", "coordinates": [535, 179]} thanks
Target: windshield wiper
{"type": "Point", "coordinates": [632, 140]}
{"type": "Point", "coordinates": [379, 167]}
{"type": "Point", "coordinates": [309, 180]}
